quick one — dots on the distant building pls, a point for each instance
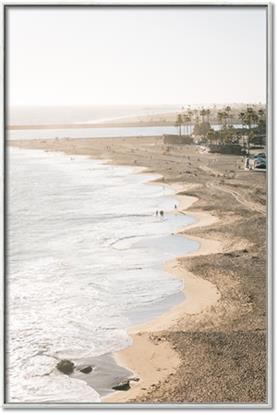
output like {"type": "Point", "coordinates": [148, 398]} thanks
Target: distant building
{"type": "Point", "coordinates": [258, 140]}
{"type": "Point", "coordinates": [225, 148]}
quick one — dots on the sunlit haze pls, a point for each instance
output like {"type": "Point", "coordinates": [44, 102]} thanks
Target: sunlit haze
{"type": "Point", "coordinates": [127, 56]}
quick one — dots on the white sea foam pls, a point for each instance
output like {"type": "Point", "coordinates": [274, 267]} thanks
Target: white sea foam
{"type": "Point", "coordinates": [85, 255]}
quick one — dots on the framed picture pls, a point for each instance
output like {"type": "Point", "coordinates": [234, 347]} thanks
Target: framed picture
{"type": "Point", "coordinates": [137, 205]}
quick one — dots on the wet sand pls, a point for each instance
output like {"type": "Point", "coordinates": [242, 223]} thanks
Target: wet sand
{"type": "Point", "coordinates": [153, 359]}
{"type": "Point", "coordinates": [212, 347]}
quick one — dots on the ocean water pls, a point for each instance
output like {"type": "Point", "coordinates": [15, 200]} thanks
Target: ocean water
{"type": "Point", "coordinates": [44, 134]}
{"type": "Point", "coordinates": [90, 114]}
{"type": "Point", "coordinates": [85, 262]}
{"type": "Point", "coordinates": [20, 115]}
{"type": "Point", "coordinates": [97, 132]}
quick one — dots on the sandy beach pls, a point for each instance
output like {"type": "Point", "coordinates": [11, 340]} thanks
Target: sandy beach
{"type": "Point", "coordinates": [212, 347]}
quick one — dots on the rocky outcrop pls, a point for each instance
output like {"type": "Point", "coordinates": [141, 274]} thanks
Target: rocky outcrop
{"type": "Point", "coordinates": [86, 369]}
{"type": "Point", "coordinates": [65, 366]}
{"type": "Point", "coordinates": [123, 386]}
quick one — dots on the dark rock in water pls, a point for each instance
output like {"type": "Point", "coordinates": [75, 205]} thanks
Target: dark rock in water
{"type": "Point", "coordinates": [86, 369]}
{"type": "Point", "coordinates": [65, 366]}
{"type": "Point", "coordinates": [123, 386]}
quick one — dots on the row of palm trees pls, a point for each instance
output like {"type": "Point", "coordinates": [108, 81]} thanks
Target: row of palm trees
{"type": "Point", "coordinates": [253, 125]}
{"type": "Point", "coordinates": [251, 118]}
{"type": "Point", "coordinates": [197, 122]}
{"type": "Point", "coordinates": [225, 117]}
{"type": "Point", "coordinates": [190, 118]}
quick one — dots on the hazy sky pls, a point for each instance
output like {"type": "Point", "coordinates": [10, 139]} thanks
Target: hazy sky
{"type": "Point", "coordinates": [83, 56]}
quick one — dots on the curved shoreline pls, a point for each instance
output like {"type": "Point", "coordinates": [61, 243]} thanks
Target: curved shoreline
{"type": "Point", "coordinates": [229, 338]}
{"type": "Point", "coordinates": [152, 362]}
{"type": "Point", "coordinates": [142, 346]}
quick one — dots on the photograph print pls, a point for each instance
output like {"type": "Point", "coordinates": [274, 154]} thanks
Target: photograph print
{"type": "Point", "coordinates": [137, 205]}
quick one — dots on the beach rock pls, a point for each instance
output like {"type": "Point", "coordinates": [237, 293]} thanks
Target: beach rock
{"type": "Point", "coordinates": [86, 369]}
{"type": "Point", "coordinates": [65, 366]}
{"type": "Point", "coordinates": [123, 386]}
{"type": "Point", "coordinates": [134, 379]}
{"type": "Point", "coordinates": [232, 254]}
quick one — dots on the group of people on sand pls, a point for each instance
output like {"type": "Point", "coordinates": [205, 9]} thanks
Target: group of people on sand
{"type": "Point", "coordinates": [161, 212]}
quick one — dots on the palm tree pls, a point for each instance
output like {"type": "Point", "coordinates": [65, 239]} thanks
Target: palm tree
{"type": "Point", "coordinates": [262, 122]}
{"type": "Point", "coordinates": [208, 112]}
{"type": "Point", "coordinates": [261, 113]}
{"type": "Point", "coordinates": [228, 110]}
{"type": "Point", "coordinates": [203, 113]}
{"type": "Point", "coordinates": [220, 117]}
{"type": "Point", "coordinates": [249, 118]}
{"type": "Point", "coordinates": [225, 118]}
{"type": "Point", "coordinates": [190, 114]}
{"type": "Point", "coordinates": [179, 122]}
{"type": "Point", "coordinates": [242, 117]}
{"type": "Point", "coordinates": [186, 120]}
